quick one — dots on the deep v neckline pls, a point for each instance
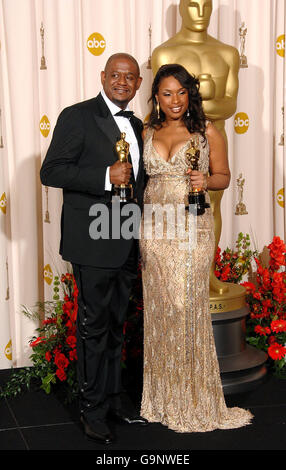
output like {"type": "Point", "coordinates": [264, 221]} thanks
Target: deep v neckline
{"type": "Point", "coordinates": [171, 158]}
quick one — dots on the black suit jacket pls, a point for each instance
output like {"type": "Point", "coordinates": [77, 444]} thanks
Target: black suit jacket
{"type": "Point", "coordinates": [82, 146]}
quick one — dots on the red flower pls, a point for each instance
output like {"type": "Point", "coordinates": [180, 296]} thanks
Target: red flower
{"type": "Point", "coordinates": [276, 351]}
{"type": "Point", "coordinates": [249, 286]}
{"type": "Point", "coordinates": [60, 373]}
{"type": "Point", "coordinates": [277, 251]}
{"type": "Point", "coordinates": [225, 272]}
{"type": "Point", "coordinates": [266, 303]}
{"type": "Point", "coordinates": [262, 330]}
{"type": "Point", "coordinates": [271, 339]}
{"type": "Point", "coordinates": [73, 355]}
{"type": "Point", "coordinates": [278, 325]}
{"type": "Point", "coordinates": [217, 256]}
{"type": "Point", "coordinates": [49, 321]}
{"type": "Point", "coordinates": [61, 360]}
{"type": "Point", "coordinates": [48, 356]}
{"type": "Point", "coordinates": [71, 341]}
{"type": "Point", "coordinates": [278, 280]}
{"type": "Point", "coordinates": [40, 339]}
{"type": "Point", "coordinates": [68, 307]}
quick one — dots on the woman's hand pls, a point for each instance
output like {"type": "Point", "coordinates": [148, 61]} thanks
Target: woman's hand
{"type": "Point", "coordinates": [198, 179]}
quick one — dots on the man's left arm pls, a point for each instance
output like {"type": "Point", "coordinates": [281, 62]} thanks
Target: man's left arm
{"type": "Point", "coordinates": [61, 168]}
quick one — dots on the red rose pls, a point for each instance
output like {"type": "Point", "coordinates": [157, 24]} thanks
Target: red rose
{"type": "Point", "coordinates": [60, 373]}
{"type": "Point", "coordinates": [73, 355]}
{"type": "Point", "coordinates": [48, 356]}
{"type": "Point", "coordinates": [61, 360]}
{"type": "Point", "coordinates": [71, 341]}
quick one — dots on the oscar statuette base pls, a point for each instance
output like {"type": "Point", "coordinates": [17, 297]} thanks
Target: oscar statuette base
{"type": "Point", "coordinates": [242, 367]}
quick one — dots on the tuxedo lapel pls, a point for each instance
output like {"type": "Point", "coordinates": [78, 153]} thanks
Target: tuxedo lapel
{"type": "Point", "coordinates": [137, 130]}
{"type": "Point", "coordinates": [109, 127]}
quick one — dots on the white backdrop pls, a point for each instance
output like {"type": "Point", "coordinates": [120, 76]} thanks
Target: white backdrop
{"type": "Point", "coordinates": [66, 33]}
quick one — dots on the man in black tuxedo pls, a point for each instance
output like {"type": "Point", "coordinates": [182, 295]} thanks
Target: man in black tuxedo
{"type": "Point", "coordinates": [82, 160]}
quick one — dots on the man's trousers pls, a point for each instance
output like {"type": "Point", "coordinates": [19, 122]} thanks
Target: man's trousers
{"type": "Point", "coordinates": [102, 304]}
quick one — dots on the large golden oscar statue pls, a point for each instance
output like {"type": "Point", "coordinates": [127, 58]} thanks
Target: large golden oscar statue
{"type": "Point", "coordinates": [216, 65]}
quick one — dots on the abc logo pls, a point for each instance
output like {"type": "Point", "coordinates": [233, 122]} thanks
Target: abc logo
{"type": "Point", "coordinates": [96, 44]}
{"type": "Point", "coordinates": [8, 351]}
{"type": "Point", "coordinates": [3, 203]}
{"type": "Point", "coordinates": [45, 126]}
{"type": "Point", "coordinates": [48, 274]}
{"type": "Point", "coordinates": [241, 123]}
{"type": "Point", "coordinates": [280, 45]}
{"type": "Point", "coordinates": [280, 197]}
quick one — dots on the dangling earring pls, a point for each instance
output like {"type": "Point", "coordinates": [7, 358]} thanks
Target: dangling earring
{"type": "Point", "coordinates": [188, 113]}
{"type": "Point", "coordinates": [158, 110]}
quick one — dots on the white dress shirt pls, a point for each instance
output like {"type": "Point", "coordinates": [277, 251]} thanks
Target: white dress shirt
{"type": "Point", "coordinates": [124, 125]}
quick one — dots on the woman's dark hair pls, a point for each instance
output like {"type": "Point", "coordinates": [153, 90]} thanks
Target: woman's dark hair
{"type": "Point", "coordinates": [194, 118]}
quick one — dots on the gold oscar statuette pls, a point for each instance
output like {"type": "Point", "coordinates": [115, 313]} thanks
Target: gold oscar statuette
{"type": "Point", "coordinates": [150, 41]}
{"type": "Point", "coordinates": [43, 59]}
{"type": "Point", "coordinates": [196, 196]}
{"type": "Point", "coordinates": [47, 214]}
{"type": "Point", "coordinates": [242, 57]}
{"type": "Point", "coordinates": [216, 64]}
{"type": "Point", "coordinates": [123, 191]}
{"type": "Point", "coordinates": [240, 207]}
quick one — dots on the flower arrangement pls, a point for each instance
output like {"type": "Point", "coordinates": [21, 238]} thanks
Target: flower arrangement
{"type": "Point", "coordinates": [266, 296]}
{"type": "Point", "coordinates": [232, 265]}
{"type": "Point", "coordinates": [266, 326]}
{"type": "Point", "coordinates": [54, 347]}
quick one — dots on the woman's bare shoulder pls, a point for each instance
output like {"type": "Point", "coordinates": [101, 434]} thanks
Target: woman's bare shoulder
{"type": "Point", "coordinates": [212, 131]}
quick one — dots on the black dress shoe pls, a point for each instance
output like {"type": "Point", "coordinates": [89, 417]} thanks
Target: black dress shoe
{"type": "Point", "coordinates": [98, 431]}
{"type": "Point", "coordinates": [126, 418]}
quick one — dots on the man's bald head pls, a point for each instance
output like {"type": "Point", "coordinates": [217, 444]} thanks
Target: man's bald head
{"type": "Point", "coordinates": [121, 78]}
{"type": "Point", "coordinates": [122, 55]}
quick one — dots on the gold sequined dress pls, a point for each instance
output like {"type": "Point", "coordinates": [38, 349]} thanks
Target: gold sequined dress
{"type": "Point", "coordinates": [182, 387]}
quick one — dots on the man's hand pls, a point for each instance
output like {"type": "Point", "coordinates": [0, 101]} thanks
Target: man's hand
{"type": "Point", "coordinates": [119, 173]}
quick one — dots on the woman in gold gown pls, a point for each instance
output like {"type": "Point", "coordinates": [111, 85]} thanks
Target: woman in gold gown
{"type": "Point", "coordinates": [182, 386]}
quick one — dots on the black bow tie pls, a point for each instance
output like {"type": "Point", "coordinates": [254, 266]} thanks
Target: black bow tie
{"type": "Point", "coordinates": [126, 114]}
